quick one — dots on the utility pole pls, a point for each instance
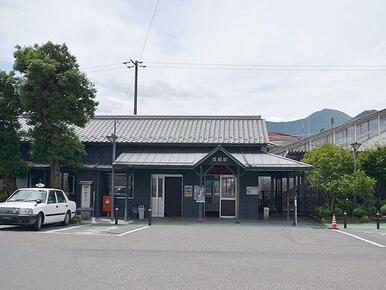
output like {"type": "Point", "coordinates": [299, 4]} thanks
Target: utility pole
{"type": "Point", "coordinates": [135, 64]}
{"type": "Point", "coordinates": [113, 139]}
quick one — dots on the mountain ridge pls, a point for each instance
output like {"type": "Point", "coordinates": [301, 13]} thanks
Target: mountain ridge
{"type": "Point", "coordinates": [314, 123]}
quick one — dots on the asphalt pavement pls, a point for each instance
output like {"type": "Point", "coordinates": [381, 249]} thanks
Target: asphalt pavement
{"type": "Point", "coordinates": [192, 256]}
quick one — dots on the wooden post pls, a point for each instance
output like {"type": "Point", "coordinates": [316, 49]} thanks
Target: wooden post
{"type": "Point", "coordinates": [288, 198]}
{"type": "Point", "coordinates": [200, 203]}
{"type": "Point", "coordinates": [295, 221]}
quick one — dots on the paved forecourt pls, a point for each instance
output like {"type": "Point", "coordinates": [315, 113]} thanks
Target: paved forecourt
{"type": "Point", "coordinates": [191, 256]}
{"type": "Point", "coordinates": [108, 230]}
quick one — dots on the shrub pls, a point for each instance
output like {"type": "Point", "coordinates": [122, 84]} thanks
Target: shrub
{"type": "Point", "coordinates": [345, 204]}
{"type": "Point", "coordinates": [371, 210]}
{"type": "Point", "coordinates": [383, 210]}
{"type": "Point", "coordinates": [358, 212]}
{"type": "Point", "coordinates": [323, 213]}
{"type": "Point", "coordinates": [364, 219]}
{"type": "Point", "coordinates": [338, 211]}
{"type": "Point", "coordinates": [3, 196]}
{"type": "Point", "coordinates": [77, 219]}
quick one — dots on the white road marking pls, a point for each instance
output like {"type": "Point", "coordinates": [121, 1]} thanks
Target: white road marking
{"type": "Point", "coordinates": [61, 230]}
{"type": "Point", "coordinates": [132, 231]}
{"type": "Point", "coordinates": [362, 239]}
{"type": "Point", "coordinates": [84, 234]}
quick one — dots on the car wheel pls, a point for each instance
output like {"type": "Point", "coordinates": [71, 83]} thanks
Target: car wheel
{"type": "Point", "coordinates": [67, 219]}
{"type": "Point", "coordinates": [38, 224]}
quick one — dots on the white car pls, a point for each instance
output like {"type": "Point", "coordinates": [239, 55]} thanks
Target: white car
{"type": "Point", "coordinates": [37, 206]}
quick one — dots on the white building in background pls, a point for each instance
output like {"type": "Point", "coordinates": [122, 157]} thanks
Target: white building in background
{"type": "Point", "coordinates": [369, 130]}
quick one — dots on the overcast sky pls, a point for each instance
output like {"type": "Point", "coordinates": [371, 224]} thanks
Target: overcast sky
{"type": "Point", "coordinates": [326, 33]}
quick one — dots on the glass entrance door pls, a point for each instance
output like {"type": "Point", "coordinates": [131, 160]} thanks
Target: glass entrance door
{"type": "Point", "coordinates": [227, 196]}
{"type": "Point", "coordinates": [212, 195]}
{"type": "Point", "coordinates": [157, 195]}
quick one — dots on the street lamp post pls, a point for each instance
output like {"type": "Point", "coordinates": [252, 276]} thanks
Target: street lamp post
{"type": "Point", "coordinates": [355, 146]}
{"type": "Point", "coordinates": [113, 140]}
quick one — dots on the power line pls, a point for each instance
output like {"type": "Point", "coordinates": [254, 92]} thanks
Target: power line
{"type": "Point", "coordinates": [263, 65]}
{"type": "Point", "coordinates": [102, 66]}
{"type": "Point", "coordinates": [148, 31]}
{"type": "Point", "coordinates": [270, 69]}
{"type": "Point", "coordinates": [105, 69]}
{"type": "Point", "coordinates": [241, 67]}
{"type": "Point", "coordinates": [138, 62]}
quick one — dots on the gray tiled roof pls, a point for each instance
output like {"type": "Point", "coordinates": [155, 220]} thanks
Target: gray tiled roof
{"type": "Point", "coordinates": [268, 160]}
{"type": "Point", "coordinates": [176, 129]}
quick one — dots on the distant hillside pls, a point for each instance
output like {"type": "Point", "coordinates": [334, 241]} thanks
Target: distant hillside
{"type": "Point", "coordinates": [316, 121]}
{"type": "Point", "coordinates": [365, 113]}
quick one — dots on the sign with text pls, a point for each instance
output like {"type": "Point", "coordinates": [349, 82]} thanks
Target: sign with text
{"type": "Point", "coordinates": [252, 190]}
{"type": "Point", "coordinates": [85, 201]}
{"type": "Point", "coordinates": [188, 190]}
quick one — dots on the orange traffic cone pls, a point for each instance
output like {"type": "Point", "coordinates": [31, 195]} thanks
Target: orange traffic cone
{"type": "Point", "coordinates": [333, 225]}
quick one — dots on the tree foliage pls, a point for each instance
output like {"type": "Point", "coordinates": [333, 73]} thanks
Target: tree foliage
{"type": "Point", "coordinates": [11, 163]}
{"type": "Point", "coordinates": [56, 96]}
{"type": "Point", "coordinates": [68, 149]}
{"type": "Point", "coordinates": [373, 162]}
{"type": "Point", "coordinates": [357, 185]}
{"type": "Point", "coordinates": [330, 163]}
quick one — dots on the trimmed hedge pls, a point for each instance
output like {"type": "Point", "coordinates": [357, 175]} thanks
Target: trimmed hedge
{"type": "Point", "coordinates": [338, 211]}
{"type": "Point", "coordinates": [383, 210]}
{"type": "Point", "coordinates": [359, 213]}
{"type": "Point", "coordinates": [323, 213]}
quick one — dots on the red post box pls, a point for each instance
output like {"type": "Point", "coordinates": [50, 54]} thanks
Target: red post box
{"type": "Point", "coordinates": [106, 208]}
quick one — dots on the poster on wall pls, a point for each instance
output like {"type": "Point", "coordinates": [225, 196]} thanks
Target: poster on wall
{"type": "Point", "coordinates": [199, 193]}
{"type": "Point", "coordinates": [252, 190]}
{"type": "Point", "coordinates": [188, 190]}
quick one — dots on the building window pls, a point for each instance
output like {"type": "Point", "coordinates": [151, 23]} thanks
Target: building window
{"type": "Point", "coordinates": [228, 188]}
{"type": "Point", "coordinates": [120, 184]}
{"type": "Point", "coordinates": [341, 138]}
{"type": "Point", "coordinates": [373, 128]}
{"type": "Point", "coordinates": [319, 142]}
{"type": "Point", "coordinates": [362, 131]}
{"type": "Point", "coordinates": [383, 123]}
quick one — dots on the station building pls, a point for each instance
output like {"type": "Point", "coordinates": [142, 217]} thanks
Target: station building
{"type": "Point", "coordinates": [181, 165]}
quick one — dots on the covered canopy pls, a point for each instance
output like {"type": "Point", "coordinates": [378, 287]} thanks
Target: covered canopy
{"type": "Point", "coordinates": [248, 161]}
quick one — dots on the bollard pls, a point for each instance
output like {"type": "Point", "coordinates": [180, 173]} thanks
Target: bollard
{"type": "Point", "coordinates": [378, 215]}
{"type": "Point", "coordinates": [345, 219]}
{"type": "Point", "coordinates": [116, 215]}
{"type": "Point", "coordinates": [149, 215]}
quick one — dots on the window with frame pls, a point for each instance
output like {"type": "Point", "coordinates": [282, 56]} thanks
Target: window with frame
{"type": "Point", "coordinates": [51, 198]}
{"type": "Point", "coordinates": [60, 197]}
{"type": "Point", "coordinates": [382, 124]}
{"type": "Point", "coordinates": [120, 184]}
{"type": "Point", "coordinates": [373, 128]}
{"type": "Point", "coordinates": [228, 189]}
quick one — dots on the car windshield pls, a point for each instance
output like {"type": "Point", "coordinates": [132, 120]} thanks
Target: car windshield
{"type": "Point", "coordinates": [28, 195]}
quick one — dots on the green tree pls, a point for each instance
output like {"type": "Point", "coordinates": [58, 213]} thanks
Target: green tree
{"type": "Point", "coordinates": [330, 163]}
{"type": "Point", "coordinates": [56, 96]}
{"type": "Point", "coordinates": [357, 185]}
{"type": "Point", "coordinates": [11, 163]}
{"type": "Point", "coordinates": [373, 162]}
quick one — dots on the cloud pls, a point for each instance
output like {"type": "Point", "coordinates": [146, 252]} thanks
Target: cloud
{"type": "Point", "coordinates": [247, 32]}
